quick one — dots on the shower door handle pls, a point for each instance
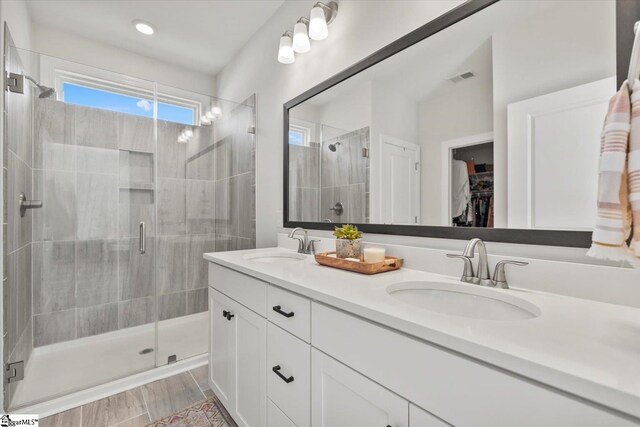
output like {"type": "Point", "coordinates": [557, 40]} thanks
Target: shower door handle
{"type": "Point", "coordinates": [143, 238]}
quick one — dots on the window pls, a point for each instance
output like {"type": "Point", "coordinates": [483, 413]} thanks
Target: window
{"type": "Point", "coordinates": [299, 135]}
{"type": "Point", "coordinates": [93, 87]}
{"type": "Point", "coordinates": [115, 101]}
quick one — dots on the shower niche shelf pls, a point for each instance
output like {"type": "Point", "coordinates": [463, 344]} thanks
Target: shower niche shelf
{"type": "Point", "coordinates": [136, 171]}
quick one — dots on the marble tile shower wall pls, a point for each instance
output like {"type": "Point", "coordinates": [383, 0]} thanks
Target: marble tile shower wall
{"type": "Point", "coordinates": [94, 171]}
{"type": "Point", "coordinates": [17, 242]}
{"type": "Point", "coordinates": [212, 210]}
{"type": "Point", "coordinates": [345, 177]}
{"type": "Point", "coordinates": [304, 179]}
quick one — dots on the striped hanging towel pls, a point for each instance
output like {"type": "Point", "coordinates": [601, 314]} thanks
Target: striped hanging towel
{"type": "Point", "coordinates": [619, 180]}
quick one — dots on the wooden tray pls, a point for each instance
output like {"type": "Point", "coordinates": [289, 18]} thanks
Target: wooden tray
{"type": "Point", "coordinates": [389, 264]}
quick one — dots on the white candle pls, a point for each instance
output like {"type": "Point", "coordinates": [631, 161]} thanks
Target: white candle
{"type": "Point", "coordinates": [374, 254]}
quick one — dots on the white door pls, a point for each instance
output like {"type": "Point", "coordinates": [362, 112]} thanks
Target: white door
{"type": "Point", "coordinates": [418, 417]}
{"type": "Point", "coordinates": [221, 349]}
{"type": "Point", "coordinates": [341, 397]}
{"type": "Point", "coordinates": [250, 360]}
{"type": "Point", "coordinates": [400, 181]}
{"type": "Point", "coordinates": [554, 143]}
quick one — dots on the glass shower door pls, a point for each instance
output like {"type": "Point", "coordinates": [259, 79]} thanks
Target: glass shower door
{"type": "Point", "coordinates": [206, 203]}
{"type": "Point", "coordinates": [90, 318]}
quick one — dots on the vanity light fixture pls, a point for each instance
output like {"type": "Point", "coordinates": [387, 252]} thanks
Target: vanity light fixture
{"type": "Point", "coordinates": [143, 27]}
{"type": "Point", "coordinates": [210, 116]}
{"type": "Point", "coordinates": [322, 15]}
{"type": "Point", "coordinates": [315, 27]}
{"type": "Point", "coordinates": [185, 135]}
{"type": "Point", "coordinates": [285, 52]}
{"type": "Point", "coordinates": [301, 42]}
{"type": "Point", "coordinates": [318, 29]}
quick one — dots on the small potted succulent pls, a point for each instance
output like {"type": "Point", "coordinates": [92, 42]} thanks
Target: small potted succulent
{"type": "Point", "coordinates": [348, 239]}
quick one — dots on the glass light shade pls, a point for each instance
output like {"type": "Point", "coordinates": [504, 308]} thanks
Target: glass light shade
{"type": "Point", "coordinates": [318, 29]}
{"type": "Point", "coordinates": [144, 27]}
{"type": "Point", "coordinates": [301, 42]}
{"type": "Point", "coordinates": [216, 111]}
{"type": "Point", "coordinates": [285, 52]}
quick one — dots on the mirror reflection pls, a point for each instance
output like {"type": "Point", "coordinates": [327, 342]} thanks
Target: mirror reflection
{"type": "Point", "coordinates": [494, 122]}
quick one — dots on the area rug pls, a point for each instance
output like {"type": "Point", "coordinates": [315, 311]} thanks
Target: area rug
{"type": "Point", "coordinates": [207, 413]}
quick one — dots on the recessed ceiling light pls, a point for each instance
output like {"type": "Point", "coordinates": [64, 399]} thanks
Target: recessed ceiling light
{"type": "Point", "coordinates": [144, 27]}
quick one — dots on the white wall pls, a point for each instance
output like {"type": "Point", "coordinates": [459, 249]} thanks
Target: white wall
{"type": "Point", "coordinates": [53, 42]}
{"type": "Point", "coordinates": [350, 110]}
{"type": "Point", "coordinates": [573, 55]}
{"type": "Point", "coordinates": [471, 102]}
{"type": "Point", "coordinates": [360, 29]}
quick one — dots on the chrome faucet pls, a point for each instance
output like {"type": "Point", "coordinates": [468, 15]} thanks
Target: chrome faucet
{"type": "Point", "coordinates": [482, 277]}
{"type": "Point", "coordinates": [305, 246]}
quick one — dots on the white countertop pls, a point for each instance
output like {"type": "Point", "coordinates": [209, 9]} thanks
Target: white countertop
{"type": "Point", "coordinates": [589, 349]}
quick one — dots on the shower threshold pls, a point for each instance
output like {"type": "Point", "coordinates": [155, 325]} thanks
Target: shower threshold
{"type": "Point", "coordinates": [62, 375]}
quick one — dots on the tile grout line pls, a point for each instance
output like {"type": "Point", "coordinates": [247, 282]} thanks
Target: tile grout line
{"type": "Point", "coordinates": [129, 419]}
{"type": "Point", "coordinates": [197, 385]}
{"type": "Point", "coordinates": [144, 400]}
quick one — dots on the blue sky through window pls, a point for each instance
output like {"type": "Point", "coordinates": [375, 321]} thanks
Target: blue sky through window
{"type": "Point", "coordinates": [296, 137]}
{"type": "Point", "coordinates": [113, 101]}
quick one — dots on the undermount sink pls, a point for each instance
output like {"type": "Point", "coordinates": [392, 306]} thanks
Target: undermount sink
{"type": "Point", "coordinates": [462, 300]}
{"type": "Point", "coordinates": [275, 257]}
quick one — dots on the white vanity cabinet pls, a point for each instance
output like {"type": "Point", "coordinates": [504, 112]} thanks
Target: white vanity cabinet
{"type": "Point", "coordinates": [240, 369]}
{"type": "Point", "coordinates": [418, 417]}
{"type": "Point", "coordinates": [237, 359]}
{"type": "Point", "coordinates": [280, 359]}
{"type": "Point", "coordinates": [288, 374]}
{"type": "Point", "coordinates": [277, 418]}
{"type": "Point", "coordinates": [221, 346]}
{"type": "Point", "coordinates": [341, 397]}
{"type": "Point", "coordinates": [456, 389]}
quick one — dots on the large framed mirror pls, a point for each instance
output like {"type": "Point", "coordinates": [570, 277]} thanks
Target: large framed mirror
{"type": "Point", "coordinates": [482, 123]}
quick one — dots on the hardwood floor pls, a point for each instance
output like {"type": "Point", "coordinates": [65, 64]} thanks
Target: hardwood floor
{"type": "Point", "coordinates": [139, 406]}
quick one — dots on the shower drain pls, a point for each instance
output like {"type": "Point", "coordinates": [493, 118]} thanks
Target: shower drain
{"type": "Point", "coordinates": [146, 351]}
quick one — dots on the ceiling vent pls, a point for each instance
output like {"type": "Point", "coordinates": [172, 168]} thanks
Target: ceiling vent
{"type": "Point", "coordinates": [462, 76]}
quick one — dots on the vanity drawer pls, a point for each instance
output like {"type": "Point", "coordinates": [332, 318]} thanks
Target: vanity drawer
{"type": "Point", "coordinates": [293, 357]}
{"type": "Point", "coordinates": [290, 311]}
{"type": "Point", "coordinates": [248, 291]}
{"type": "Point", "coordinates": [277, 418]}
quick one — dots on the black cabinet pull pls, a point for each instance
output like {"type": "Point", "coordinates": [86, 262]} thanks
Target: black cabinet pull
{"type": "Point", "coordinates": [278, 309]}
{"type": "Point", "coordinates": [287, 380]}
{"type": "Point", "coordinates": [229, 315]}
{"type": "Point", "coordinates": [225, 313]}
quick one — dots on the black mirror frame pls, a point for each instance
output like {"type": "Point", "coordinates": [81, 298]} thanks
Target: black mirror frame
{"type": "Point", "coordinates": [627, 13]}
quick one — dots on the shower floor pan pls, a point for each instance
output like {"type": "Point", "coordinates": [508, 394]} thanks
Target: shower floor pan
{"type": "Point", "coordinates": [62, 368]}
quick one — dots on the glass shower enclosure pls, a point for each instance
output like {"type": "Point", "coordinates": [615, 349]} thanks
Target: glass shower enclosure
{"type": "Point", "coordinates": [137, 180]}
{"type": "Point", "coordinates": [329, 174]}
